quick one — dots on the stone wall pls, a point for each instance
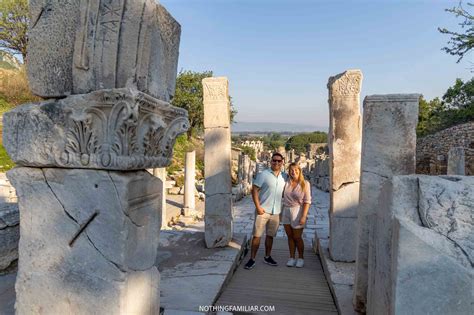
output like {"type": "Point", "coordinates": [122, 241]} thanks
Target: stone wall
{"type": "Point", "coordinates": [432, 150]}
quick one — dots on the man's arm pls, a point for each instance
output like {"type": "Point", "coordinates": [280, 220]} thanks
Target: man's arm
{"type": "Point", "coordinates": [256, 199]}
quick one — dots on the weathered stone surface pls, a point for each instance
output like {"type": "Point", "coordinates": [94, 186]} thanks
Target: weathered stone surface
{"type": "Point", "coordinates": [77, 47]}
{"type": "Point", "coordinates": [160, 173]}
{"type": "Point", "coordinates": [218, 204]}
{"type": "Point", "coordinates": [344, 128]}
{"type": "Point", "coordinates": [120, 129]}
{"type": "Point", "coordinates": [432, 218]}
{"type": "Point", "coordinates": [341, 243]}
{"type": "Point", "coordinates": [219, 230]}
{"type": "Point", "coordinates": [189, 182]}
{"type": "Point", "coordinates": [217, 105]}
{"type": "Point", "coordinates": [456, 161]}
{"type": "Point", "coordinates": [345, 201]}
{"type": "Point", "coordinates": [51, 46]}
{"type": "Point", "coordinates": [9, 234]}
{"type": "Point", "coordinates": [100, 268]}
{"type": "Point", "coordinates": [217, 161]}
{"type": "Point", "coordinates": [388, 149]}
{"type": "Point", "coordinates": [344, 161]}
{"type": "Point", "coordinates": [422, 275]}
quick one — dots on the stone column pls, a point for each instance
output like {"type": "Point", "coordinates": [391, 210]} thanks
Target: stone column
{"type": "Point", "coordinates": [217, 162]}
{"type": "Point", "coordinates": [189, 183]}
{"type": "Point", "coordinates": [456, 161]}
{"type": "Point", "coordinates": [160, 173]}
{"type": "Point", "coordinates": [344, 163]}
{"type": "Point", "coordinates": [388, 149]}
{"type": "Point", "coordinates": [89, 213]}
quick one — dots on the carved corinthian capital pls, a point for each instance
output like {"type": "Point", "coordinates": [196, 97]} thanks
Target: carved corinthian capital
{"type": "Point", "coordinates": [119, 129]}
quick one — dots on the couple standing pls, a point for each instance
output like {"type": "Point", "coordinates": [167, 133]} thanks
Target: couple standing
{"type": "Point", "coordinates": [271, 189]}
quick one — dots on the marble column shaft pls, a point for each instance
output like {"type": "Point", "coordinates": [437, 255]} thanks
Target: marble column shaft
{"type": "Point", "coordinates": [217, 162]}
{"type": "Point", "coordinates": [189, 183]}
{"type": "Point", "coordinates": [344, 163]}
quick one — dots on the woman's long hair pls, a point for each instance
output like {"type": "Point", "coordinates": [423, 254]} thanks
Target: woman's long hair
{"type": "Point", "coordinates": [300, 178]}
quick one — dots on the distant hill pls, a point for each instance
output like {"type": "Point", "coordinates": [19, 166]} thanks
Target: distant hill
{"type": "Point", "coordinates": [241, 126]}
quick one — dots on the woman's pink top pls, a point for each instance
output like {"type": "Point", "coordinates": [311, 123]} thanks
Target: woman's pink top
{"type": "Point", "coordinates": [296, 196]}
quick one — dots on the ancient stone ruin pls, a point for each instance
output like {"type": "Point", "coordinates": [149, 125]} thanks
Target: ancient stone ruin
{"type": "Point", "coordinates": [89, 230]}
{"type": "Point", "coordinates": [423, 243]}
{"type": "Point", "coordinates": [344, 162]}
{"type": "Point", "coordinates": [217, 162]}
{"type": "Point", "coordinates": [388, 149]}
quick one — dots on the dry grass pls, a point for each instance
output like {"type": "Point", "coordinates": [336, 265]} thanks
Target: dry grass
{"type": "Point", "coordinates": [14, 87]}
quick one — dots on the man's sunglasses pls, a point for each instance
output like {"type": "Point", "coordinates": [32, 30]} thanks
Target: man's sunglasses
{"type": "Point", "coordinates": [277, 161]}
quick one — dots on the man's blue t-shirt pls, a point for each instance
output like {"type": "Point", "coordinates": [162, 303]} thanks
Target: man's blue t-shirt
{"type": "Point", "coordinates": [271, 190]}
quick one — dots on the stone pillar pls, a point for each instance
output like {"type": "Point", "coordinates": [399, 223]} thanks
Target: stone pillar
{"type": "Point", "coordinates": [217, 162]}
{"type": "Point", "coordinates": [344, 163]}
{"type": "Point", "coordinates": [190, 183]}
{"type": "Point", "coordinates": [89, 213]}
{"type": "Point", "coordinates": [160, 173]}
{"type": "Point", "coordinates": [456, 161]}
{"type": "Point", "coordinates": [388, 149]}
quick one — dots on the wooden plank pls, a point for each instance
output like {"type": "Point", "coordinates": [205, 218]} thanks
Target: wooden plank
{"type": "Point", "coordinates": [289, 290]}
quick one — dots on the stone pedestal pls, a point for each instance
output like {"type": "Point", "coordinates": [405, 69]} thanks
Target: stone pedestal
{"type": "Point", "coordinates": [189, 183]}
{"type": "Point", "coordinates": [456, 161]}
{"type": "Point", "coordinates": [217, 162]}
{"type": "Point", "coordinates": [344, 163]}
{"type": "Point", "coordinates": [388, 149]}
{"type": "Point", "coordinates": [160, 173]}
{"type": "Point", "coordinates": [88, 241]}
{"type": "Point", "coordinates": [424, 245]}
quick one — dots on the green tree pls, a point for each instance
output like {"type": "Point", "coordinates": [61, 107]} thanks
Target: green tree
{"type": "Point", "coordinates": [189, 96]}
{"type": "Point", "coordinates": [460, 42]}
{"type": "Point", "coordinates": [13, 26]}
{"type": "Point", "coordinates": [298, 142]}
{"type": "Point", "coordinates": [273, 140]}
{"type": "Point", "coordinates": [455, 107]}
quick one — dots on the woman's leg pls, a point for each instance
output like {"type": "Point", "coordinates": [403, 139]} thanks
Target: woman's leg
{"type": "Point", "coordinates": [298, 241]}
{"type": "Point", "coordinates": [291, 242]}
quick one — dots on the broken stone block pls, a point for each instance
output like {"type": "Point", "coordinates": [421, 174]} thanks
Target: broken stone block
{"type": "Point", "coordinates": [105, 44]}
{"type": "Point", "coordinates": [344, 160]}
{"type": "Point", "coordinates": [121, 129]}
{"type": "Point", "coordinates": [388, 149]}
{"type": "Point", "coordinates": [88, 241]}
{"type": "Point", "coordinates": [9, 235]}
{"type": "Point", "coordinates": [423, 242]}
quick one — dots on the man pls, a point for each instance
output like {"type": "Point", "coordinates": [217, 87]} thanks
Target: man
{"type": "Point", "coordinates": [267, 193]}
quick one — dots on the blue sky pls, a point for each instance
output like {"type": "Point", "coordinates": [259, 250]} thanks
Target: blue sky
{"type": "Point", "coordinates": [279, 54]}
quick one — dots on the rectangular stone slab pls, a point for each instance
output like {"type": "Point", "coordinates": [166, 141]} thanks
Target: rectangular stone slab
{"type": "Point", "coordinates": [120, 129]}
{"type": "Point", "coordinates": [388, 149]}
{"type": "Point", "coordinates": [88, 241]}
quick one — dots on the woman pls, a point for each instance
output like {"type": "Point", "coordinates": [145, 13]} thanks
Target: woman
{"type": "Point", "coordinates": [296, 202]}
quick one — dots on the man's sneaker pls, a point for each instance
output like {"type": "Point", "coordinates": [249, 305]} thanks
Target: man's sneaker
{"type": "Point", "coordinates": [250, 264]}
{"type": "Point", "coordinates": [299, 263]}
{"type": "Point", "coordinates": [269, 260]}
{"type": "Point", "coordinates": [291, 262]}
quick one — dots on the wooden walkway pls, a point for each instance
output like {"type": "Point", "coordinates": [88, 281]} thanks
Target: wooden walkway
{"type": "Point", "coordinates": [290, 290]}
